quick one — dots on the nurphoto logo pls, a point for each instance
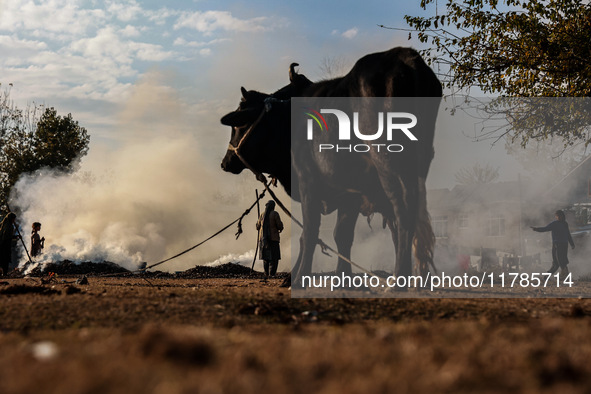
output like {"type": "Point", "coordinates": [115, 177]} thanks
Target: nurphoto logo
{"type": "Point", "coordinates": [395, 122]}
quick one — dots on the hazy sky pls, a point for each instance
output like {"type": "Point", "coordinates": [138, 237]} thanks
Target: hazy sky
{"type": "Point", "coordinates": [85, 57]}
{"type": "Point", "coordinates": [89, 57]}
{"type": "Point", "coordinates": [150, 81]}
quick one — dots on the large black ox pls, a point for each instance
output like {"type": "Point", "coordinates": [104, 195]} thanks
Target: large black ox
{"type": "Point", "coordinates": [393, 185]}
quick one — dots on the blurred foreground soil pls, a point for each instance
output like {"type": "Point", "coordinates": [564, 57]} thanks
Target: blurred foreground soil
{"type": "Point", "coordinates": [197, 333]}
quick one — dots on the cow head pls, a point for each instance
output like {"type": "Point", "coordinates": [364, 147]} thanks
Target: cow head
{"type": "Point", "coordinates": [240, 120]}
{"type": "Point", "coordinates": [267, 148]}
{"type": "Point", "coordinates": [268, 140]}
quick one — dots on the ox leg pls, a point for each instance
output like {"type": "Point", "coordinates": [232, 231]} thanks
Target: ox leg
{"type": "Point", "coordinates": [295, 269]}
{"type": "Point", "coordinates": [344, 232]}
{"type": "Point", "coordinates": [405, 209]}
{"type": "Point", "coordinates": [394, 232]}
{"type": "Point", "coordinates": [402, 191]}
{"type": "Point", "coordinates": [311, 222]}
{"type": "Point", "coordinates": [424, 242]}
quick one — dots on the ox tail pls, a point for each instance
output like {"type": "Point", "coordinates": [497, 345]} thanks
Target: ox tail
{"type": "Point", "coordinates": [424, 239]}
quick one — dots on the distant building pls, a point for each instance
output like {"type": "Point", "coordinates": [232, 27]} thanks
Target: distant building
{"type": "Point", "coordinates": [469, 217]}
{"type": "Point", "coordinates": [494, 219]}
{"type": "Point", "coordinates": [574, 192]}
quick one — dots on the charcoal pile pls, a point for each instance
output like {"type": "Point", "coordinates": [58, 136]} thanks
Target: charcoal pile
{"type": "Point", "coordinates": [223, 271]}
{"type": "Point", "coordinates": [67, 267]}
{"type": "Point", "coordinates": [157, 275]}
{"type": "Point", "coordinates": [228, 270]}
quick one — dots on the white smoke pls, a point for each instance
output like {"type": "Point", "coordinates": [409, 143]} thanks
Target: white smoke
{"type": "Point", "coordinates": [239, 258]}
{"type": "Point", "coordinates": [155, 194]}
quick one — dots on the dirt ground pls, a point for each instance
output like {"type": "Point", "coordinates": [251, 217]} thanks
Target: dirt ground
{"type": "Point", "coordinates": [241, 335]}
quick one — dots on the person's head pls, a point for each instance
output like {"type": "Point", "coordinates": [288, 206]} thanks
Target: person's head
{"type": "Point", "coordinates": [559, 215]}
{"type": "Point", "coordinates": [270, 205]}
{"type": "Point", "coordinates": [11, 217]}
{"type": "Point", "coordinates": [36, 226]}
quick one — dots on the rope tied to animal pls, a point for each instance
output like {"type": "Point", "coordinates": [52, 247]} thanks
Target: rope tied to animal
{"type": "Point", "coordinates": [319, 241]}
{"type": "Point", "coordinates": [262, 178]}
{"type": "Point", "coordinates": [236, 149]}
{"type": "Point", "coordinates": [238, 233]}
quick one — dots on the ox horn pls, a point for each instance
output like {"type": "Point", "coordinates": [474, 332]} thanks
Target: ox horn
{"type": "Point", "coordinates": [244, 92]}
{"type": "Point", "coordinates": [292, 71]}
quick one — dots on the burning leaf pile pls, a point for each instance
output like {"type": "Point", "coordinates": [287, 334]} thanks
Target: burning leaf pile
{"type": "Point", "coordinates": [228, 270]}
{"type": "Point", "coordinates": [69, 268]}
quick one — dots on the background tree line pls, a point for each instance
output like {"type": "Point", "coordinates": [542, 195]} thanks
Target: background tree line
{"type": "Point", "coordinates": [35, 138]}
{"type": "Point", "coordinates": [523, 49]}
{"type": "Point", "coordinates": [520, 48]}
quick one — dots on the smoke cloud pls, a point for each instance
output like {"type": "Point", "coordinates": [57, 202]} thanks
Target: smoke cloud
{"type": "Point", "coordinates": [519, 199]}
{"type": "Point", "coordinates": [157, 192]}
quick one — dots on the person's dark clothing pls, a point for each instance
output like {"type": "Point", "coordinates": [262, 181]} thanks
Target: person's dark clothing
{"type": "Point", "coordinates": [5, 255]}
{"type": "Point", "coordinates": [560, 232]}
{"type": "Point", "coordinates": [270, 267]}
{"type": "Point", "coordinates": [36, 245]}
{"type": "Point", "coordinates": [271, 225]}
{"type": "Point", "coordinates": [559, 258]}
{"type": "Point", "coordinates": [561, 238]}
{"type": "Point", "coordinates": [7, 236]}
{"type": "Point", "coordinates": [270, 252]}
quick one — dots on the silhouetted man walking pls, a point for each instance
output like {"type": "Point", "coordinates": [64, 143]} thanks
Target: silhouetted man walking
{"type": "Point", "coordinates": [560, 239]}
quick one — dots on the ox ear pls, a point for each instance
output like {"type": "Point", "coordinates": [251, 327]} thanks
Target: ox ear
{"type": "Point", "coordinates": [244, 92]}
{"type": "Point", "coordinates": [240, 118]}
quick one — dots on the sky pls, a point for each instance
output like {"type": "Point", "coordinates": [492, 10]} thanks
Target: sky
{"type": "Point", "coordinates": [149, 81]}
{"type": "Point", "coordinates": [85, 57]}
{"type": "Point", "coordinates": [90, 58]}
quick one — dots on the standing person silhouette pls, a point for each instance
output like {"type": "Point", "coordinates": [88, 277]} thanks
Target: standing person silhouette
{"type": "Point", "coordinates": [561, 238]}
{"type": "Point", "coordinates": [37, 242]}
{"type": "Point", "coordinates": [271, 225]}
{"type": "Point", "coordinates": [7, 236]}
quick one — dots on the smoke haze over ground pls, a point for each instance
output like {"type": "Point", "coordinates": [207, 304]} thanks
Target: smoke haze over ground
{"type": "Point", "coordinates": [531, 172]}
{"type": "Point", "coordinates": [153, 187]}
{"type": "Point", "coordinates": [153, 196]}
